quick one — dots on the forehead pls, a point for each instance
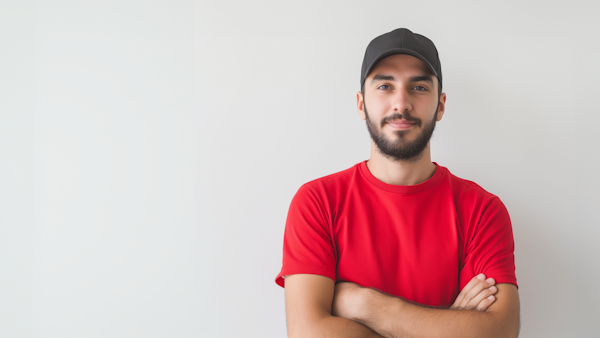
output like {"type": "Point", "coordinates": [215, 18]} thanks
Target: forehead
{"type": "Point", "coordinates": [401, 63]}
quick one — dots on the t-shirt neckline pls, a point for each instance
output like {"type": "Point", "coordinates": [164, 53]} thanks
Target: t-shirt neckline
{"type": "Point", "coordinates": [401, 189]}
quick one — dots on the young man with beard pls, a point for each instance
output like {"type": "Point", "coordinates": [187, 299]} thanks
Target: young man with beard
{"type": "Point", "coordinates": [397, 246]}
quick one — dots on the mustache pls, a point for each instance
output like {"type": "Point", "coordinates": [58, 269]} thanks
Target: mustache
{"type": "Point", "coordinates": [398, 116]}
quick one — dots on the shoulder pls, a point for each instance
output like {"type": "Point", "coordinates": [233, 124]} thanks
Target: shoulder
{"type": "Point", "coordinates": [317, 199]}
{"type": "Point", "coordinates": [485, 223]}
{"type": "Point", "coordinates": [471, 195]}
{"type": "Point", "coordinates": [331, 182]}
{"type": "Point", "coordinates": [327, 191]}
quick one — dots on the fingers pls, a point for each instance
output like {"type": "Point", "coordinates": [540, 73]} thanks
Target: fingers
{"type": "Point", "coordinates": [485, 303]}
{"type": "Point", "coordinates": [475, 292]}
{"type": "Point", "coordinates": [484, 299]}
{"type": "Point", "coordinates": [461, 299]}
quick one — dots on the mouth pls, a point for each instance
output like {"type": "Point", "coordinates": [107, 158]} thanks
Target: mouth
{"type": "Point", "coordinates": [400, 124]}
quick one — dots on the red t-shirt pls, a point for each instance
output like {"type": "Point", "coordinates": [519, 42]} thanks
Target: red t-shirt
{"type": "Point", "coordinates": [422, 242]}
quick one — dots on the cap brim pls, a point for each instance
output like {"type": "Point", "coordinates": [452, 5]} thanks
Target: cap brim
{"type": "Point", "coordinates": [394, 52]}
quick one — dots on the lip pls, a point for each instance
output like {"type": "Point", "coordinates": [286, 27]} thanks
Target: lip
{"type": "Point", "coordinates": [400, 124]}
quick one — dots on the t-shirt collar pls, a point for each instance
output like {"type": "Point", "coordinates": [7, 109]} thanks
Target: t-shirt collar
{"type": "Point", "coordinates": [401, 189]}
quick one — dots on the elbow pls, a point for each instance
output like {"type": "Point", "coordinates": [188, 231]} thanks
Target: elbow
{"type": "Point", "coordinates": [309, 328]}
{"type": "Point", "coordinates": [514, 333]}
{"type": "Point", "coordinates": [515, 326]}
{"type": "Point", "coordinates": [506, 331]}
{"type": "Point", "coordinates": [503, 325]}
{"type": "Point", "coordinates": [509, 328]}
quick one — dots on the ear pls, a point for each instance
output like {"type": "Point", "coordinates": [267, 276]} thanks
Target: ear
{"type": "Point", "coordinates": [360, 105]}
{"type": "Point", "coordinates": [441, 107]}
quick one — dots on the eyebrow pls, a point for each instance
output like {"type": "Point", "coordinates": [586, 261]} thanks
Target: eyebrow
{"type": "Point", "coordinates": [382, 77]}
{"type": "Point", "coordinates": [425, 78]}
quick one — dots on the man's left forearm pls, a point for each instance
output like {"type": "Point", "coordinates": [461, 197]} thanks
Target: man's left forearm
{"type": "Point", "coordinates": [394, 318]}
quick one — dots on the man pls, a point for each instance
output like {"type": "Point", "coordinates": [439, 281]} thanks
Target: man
{"type": "Point", "coordinates": [397, 246]}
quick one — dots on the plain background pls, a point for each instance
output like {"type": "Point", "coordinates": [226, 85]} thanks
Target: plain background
{"type": "Point", "coordinates": [149, 151]}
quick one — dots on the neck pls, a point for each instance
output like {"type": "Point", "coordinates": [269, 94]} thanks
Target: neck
{"type": "Point", "coordinates": [400, 172]}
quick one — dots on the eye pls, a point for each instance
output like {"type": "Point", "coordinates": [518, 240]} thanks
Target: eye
{"type": "Point", "coordinates": [384, 87]}
{"type": "Point", "coordinates": [420, 88]}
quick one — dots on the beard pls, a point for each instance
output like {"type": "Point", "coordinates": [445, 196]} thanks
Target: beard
{"type": "Point", "coordinates": [400, 149]}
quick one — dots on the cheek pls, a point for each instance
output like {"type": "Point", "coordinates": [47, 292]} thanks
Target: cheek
{"type": "Point", "coordinates": [378, 108]}
{"type": "Point", "coordinates": [425, 110]}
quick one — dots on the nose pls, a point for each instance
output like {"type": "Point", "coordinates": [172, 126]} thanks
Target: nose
{"type": "Point", "coordinates": [402, 101]}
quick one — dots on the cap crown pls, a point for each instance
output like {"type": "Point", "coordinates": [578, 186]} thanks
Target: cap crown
{"type": "Point", "coordinates": [401, 41]}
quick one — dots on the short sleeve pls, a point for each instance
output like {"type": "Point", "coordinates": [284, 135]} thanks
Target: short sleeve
{"type": "Point", "coordinates": [490, 247]}
{"type": "Point", "coordinates": [307, 242]}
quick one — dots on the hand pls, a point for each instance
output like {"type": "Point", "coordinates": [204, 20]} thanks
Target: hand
{"type": "Point", "coordinates": [477, 294]}
{"type": "Point", "coordinates": [346, 300]}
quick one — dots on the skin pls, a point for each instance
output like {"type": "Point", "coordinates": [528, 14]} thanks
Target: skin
{"type": "Point", "coordinates": [386, 97]}
{"type": "Point", "coordinates": [478, 294]}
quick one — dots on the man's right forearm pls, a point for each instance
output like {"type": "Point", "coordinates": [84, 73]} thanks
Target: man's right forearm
{"type": "Point", "coordinates": [333, 326]}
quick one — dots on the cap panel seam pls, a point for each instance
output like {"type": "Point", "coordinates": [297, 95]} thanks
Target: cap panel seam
{"type": "Point", "coordinates": [402, 42]}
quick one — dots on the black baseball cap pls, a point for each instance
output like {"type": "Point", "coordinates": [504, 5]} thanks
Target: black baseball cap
{"type": "Point", "coordinates": [401, 41]}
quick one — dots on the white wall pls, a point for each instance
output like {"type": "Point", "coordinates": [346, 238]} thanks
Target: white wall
{"type": "Point", "coordinates": [149, 151]}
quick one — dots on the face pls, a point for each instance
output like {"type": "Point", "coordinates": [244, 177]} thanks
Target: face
{"type": "Point", "coordinates": [401, 105]}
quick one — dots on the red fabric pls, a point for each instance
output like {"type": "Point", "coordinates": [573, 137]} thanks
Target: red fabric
{"type": "Point", "coordinates": [421, 242]}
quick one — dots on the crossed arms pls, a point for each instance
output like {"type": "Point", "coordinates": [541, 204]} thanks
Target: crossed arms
{"type": "Point", "coordinates": [316, 307]}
